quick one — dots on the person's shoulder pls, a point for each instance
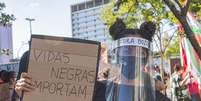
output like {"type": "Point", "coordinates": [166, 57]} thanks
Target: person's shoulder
{"type": "Point", "coordinates": [26, 54]}
{"type": "Point", "coordinates": [24, 57]}
{"type": "Point", "coordinates": [23, 63]}
{"type": "Point", "coordinates": [173, 75]}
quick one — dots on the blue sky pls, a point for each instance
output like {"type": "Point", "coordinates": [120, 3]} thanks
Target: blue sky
{"type": "Point", "coordinates": [52, 18]}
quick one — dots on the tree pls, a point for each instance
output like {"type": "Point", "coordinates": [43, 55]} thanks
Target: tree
{"type": "Point", "coordinates": [163, 41]}
{"type": "Point", "coordinates": [171, 49]}
{"type": "Point", "coordinates": [174, 11]}
{"type": "Point", "coordinates": [5, 18]}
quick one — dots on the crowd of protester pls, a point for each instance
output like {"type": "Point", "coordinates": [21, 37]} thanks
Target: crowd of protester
{"type": "Point", "coordinates": [185, 88]}
{"type": "Point", "coordinates": [175, 86]}
{"type": "Point", "coordinates": [169, 87]}
{"type": "Point", "coordinates": [7, 81]}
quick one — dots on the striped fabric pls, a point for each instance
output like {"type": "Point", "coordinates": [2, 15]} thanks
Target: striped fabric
{"type": "Point", "coordinates": [189, 58]}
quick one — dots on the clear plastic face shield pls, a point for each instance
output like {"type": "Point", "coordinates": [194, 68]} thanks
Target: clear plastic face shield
{"type": "Point", "coordinates": [135, 82]}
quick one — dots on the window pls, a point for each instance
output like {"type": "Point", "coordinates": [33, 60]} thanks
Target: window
{"type": "Point", "coordinates": [98, 2]}
{"type": "Point", "coordinates": [74, 8]}
{"type": "Point", "coordinates": [106, 1]}
{"type": "Point", "coordinates": [81, 6]}
{"type": "Point", "coordinates": [90, 4]}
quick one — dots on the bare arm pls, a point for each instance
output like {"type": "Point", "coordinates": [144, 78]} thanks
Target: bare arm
{"type": "Point", "coordinates": [185, 80]}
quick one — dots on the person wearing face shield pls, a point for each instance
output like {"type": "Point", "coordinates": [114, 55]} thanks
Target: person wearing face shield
{"type": "Point", "coordinates": [131, 50]}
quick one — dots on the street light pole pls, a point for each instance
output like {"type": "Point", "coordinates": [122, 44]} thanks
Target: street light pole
{"type": "Point", "coordinates": [30, 20]}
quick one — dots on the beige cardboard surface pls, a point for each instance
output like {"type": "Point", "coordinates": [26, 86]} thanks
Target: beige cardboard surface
{"type": "Point", "coordinates": [62, 70]}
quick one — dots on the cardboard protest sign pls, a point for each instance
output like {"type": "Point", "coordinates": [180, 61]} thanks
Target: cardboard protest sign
{"type": "Point", "coordinates": [63, 69]}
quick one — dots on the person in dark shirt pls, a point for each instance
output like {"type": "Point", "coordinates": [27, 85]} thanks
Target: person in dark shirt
{"type": "Point", "coordinates": [22, 68]}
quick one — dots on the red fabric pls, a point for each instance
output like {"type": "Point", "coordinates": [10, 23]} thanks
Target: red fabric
{"type": "Point", "coordinates": [184, 72]}
{"type": "Point", "coordinates": [1, 82]}
{"type": "Point", "coordinates": [193, 88]}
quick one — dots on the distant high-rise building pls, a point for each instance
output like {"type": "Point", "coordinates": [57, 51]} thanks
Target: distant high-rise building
{"type": "Point", "coordinates": [6, 43]}
{"type": "Point", "coordinates": [87, 23]}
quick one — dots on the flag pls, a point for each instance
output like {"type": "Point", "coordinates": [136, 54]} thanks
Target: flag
{"type": "Point", "coordinates": [189, 58]}
{"type": "Point", "coordinates": [195, 26]}
{"type": "Point", "coordinates": [183, 57]}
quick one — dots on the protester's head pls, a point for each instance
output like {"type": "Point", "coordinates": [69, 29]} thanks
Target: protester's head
{"type": "Point", "coordinates": [192, 78]}
{"type": "Point", "coordinates": [157, 69]}
{"type": "Point", "coordinates": [166, 74]}
{"type": "Point", "coordinates": [177, 68]}
{"type": "Point", "coordinates": [7, 76]}
{"type": "Point", "coordinates": [104, 74]}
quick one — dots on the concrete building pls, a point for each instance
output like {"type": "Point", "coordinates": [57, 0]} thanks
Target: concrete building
{"type": "Point", "coordinates": [6, 43]}
{"type": "Point", "coordinates": [87, 23]}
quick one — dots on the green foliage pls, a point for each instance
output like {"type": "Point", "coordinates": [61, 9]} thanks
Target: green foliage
{"type": "Point", "coordinates": [196, 7]}
{"type": "Point", "coordinates": [135, 11]}
{"type": "Point", "coordinates": [109, 15]}
{"type": "Point", "coordinates": [173, 49]}
{"type": "Point", "coordinates": [5, 18]}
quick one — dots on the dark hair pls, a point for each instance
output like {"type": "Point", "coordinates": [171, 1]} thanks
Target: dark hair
{"type": "Point", "coordinates": [177, 67]}
{"type": "Point", "coordinates": [157, 68]}
{"type": "Point", "coordinates": [106, 73]}
{"type": "Point", "coordinates": [119, 30]}
{"type": "Point", "coordinates": [6, 75]}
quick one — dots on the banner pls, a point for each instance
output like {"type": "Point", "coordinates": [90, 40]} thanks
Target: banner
{"type": "Point", "coordinates": [10, 67]}
{"type": "Point", "coordinates": [62, 69]}
{"type": "Point", "coordinates": [189, 58]}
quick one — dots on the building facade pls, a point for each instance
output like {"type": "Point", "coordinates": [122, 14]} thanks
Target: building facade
{"type": "Point", "coordinates": [87, 23]}
{"type": "Point", "coordinates": [6, 43]}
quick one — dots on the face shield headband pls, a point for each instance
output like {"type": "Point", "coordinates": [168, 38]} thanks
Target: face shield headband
{"type": "Point", "coordinates": [131, 53]}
